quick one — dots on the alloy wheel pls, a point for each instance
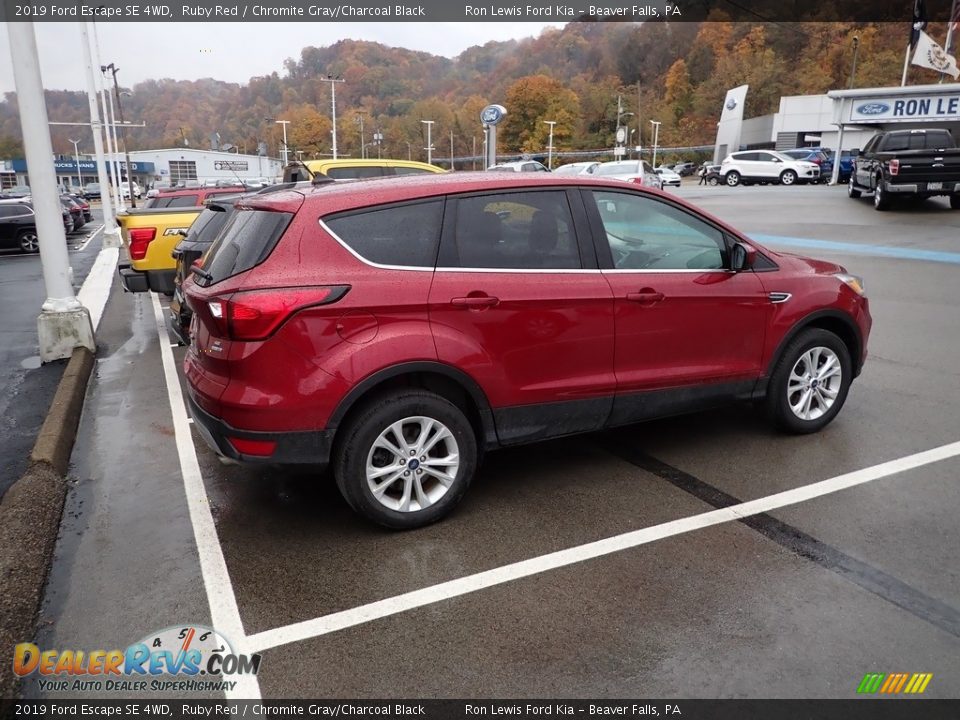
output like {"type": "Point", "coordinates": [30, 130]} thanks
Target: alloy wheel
{"type": "Point", "coordinates": [814, 383]}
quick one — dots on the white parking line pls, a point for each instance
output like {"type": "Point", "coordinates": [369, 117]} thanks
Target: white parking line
{"type": "Point", "coordinates": [89, 237]}
{"type": "Point", "coordinates": [534, 566]}
{"type": "Point", "coordinates": [224, 614]}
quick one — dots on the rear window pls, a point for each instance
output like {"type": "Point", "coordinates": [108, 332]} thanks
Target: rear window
{"type": "Point", "coordinates": [173, 201]}
{"type": "Point", "coordinates": [207, 225]}
{"type": "Point", "coordinates": [246, 242]}
{"type": "Point", "coordinates": [411, 171]}
{"type": "Point", "coordinates": [405, 235]}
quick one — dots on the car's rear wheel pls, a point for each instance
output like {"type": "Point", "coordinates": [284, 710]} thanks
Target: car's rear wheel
{"type": "Point", "coordinates": [810, 383]}
{"type": "Point", "coordinates": [28, 241]}
{"type": "Point", "coordinates": [732, 178]}
{"type": "Point", "coordinates": [852, 190]}
{"type": "Point", "coordinates": [881, 198]}
{"type": "Point", "coordinates": [406, 459]}
{"type": "Point", "coordinates": [788, 177]}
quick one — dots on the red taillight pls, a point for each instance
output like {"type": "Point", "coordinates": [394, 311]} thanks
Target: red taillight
{"type": "Point", "coordinates": [140, 239]}
{"type": "Point", "coordinates": [894, 166]}
{"type": "Point", "coordinates": [638, 180]}
{"type": "Point", "coordinates": [255, 314]}
{"type": "Point", "coordinates": [261, 448]}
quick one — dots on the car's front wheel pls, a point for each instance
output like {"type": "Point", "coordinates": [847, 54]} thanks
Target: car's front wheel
{"type": "Point", "coordinates": [810, 383]}
{"type": "Point", "coordinates": [732, 178]}
{"type": "Point", "coordinates": [406, 459]}
{"type": "Point", "coordinates": [788, 177]}
{"type": "Point", "coordinates": [28, 241]}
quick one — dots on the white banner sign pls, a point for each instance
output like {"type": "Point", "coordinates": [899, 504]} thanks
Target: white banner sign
{"type": "Point", "coordinates": [903, 109]}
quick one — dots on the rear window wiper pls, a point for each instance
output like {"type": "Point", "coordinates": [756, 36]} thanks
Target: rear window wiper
{"type": "Point", "coordinates": [197, 270]}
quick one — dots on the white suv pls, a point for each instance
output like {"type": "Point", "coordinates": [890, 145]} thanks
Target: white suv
{"type": "Point", "coordinates": [766, 166]}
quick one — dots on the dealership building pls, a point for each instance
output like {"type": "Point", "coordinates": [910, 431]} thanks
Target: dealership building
{"type": "Point", "coordinates": [840, 119]}
{"type": "Point", "coordinates": [171, 165]}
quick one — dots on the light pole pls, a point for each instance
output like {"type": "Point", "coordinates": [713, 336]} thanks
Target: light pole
{"type": "Point", "coordinates": [333, 108]}
{"type": "Point", "coordinates": [378, 141]}
{"type": "Point", "coordinates": [126, 152]}
{"type": "Point", "coordinates": [656, 137]}
{"type": "Point", "coordinates": [113, 149]}
{"type": "Point", "coordinates": [76, 156]}
{"type": "Point", "coordinates": [551, 123]}
{"type": "Point", "coordinates": [284, 123]}
{"type": "Point", "coordinates": [429, 147]}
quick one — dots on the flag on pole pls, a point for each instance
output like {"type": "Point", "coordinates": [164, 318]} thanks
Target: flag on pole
{"type": "Point", "coordinates": [953, 29]}
{"type": "Point", "coordinates": [930, 55]}
{"type": "Point", "coordinates": [919, 21]}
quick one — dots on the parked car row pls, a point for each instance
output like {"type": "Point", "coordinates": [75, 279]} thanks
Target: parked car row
{"type": "Point", "coordinates": [18, 224]}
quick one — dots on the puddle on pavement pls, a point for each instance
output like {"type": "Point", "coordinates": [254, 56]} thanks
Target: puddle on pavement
{"type": "Point", "coordinates": [31, 363]}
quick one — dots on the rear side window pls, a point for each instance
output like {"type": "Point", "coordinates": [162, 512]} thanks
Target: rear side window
{"type": "Point", "coordinates": [352, 173]}
{"type": "Point", "coordinates": [405, 235]}
{"type": "Point", "coordinates": [245, 243]}
{"type": "Point", "coordinates": [173, 201]}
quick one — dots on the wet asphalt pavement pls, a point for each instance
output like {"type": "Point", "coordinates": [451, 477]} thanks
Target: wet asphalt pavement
{"type": "Point", "coordinates": [26, 386]}
{"type": "Point", "coordinates": [800, 602]}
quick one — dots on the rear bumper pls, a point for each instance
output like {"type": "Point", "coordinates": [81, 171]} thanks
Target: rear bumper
{"type": "Point", "coordinates": [159, 281]}
{"type": "Point", "coordinates": [294, 448]}
{"type": "Point", "coordinates": [946, 188]}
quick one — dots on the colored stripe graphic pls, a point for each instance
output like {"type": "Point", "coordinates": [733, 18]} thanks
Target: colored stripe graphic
{"type": "Point", "coordinates": [894, 683]}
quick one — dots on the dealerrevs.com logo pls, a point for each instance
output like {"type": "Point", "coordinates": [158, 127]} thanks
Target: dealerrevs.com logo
{"type": "Point", "coordinates": [894, 683]}
{"type": "Point", "coordinates": [179, 658]}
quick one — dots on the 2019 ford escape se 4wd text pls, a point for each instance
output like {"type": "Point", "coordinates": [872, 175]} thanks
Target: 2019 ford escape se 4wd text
{"type": "Point", "coordinates": [397, 329]}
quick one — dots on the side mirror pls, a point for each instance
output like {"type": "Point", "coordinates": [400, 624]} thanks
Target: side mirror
{"type": "Point", "coordinates": [742, 257]}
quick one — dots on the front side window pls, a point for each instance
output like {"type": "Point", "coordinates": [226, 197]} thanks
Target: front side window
{"type": "Point", "coordinates": [518, 230]}
{"type": "Point", "coordinates": [646, 234]}
{"type": "Point", "coordinates": [405, 235]}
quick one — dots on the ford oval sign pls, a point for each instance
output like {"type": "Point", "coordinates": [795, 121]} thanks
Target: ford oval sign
{"type": "Point", "coordinates": [492, 114]}
{"type": "Point", "coordinates": [731, 103]}
{"type": "Point", "coordinates": [876, 108]}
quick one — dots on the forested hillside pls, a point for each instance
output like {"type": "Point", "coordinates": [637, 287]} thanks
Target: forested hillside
{"type": "Point", "coordinates": [674, 73]}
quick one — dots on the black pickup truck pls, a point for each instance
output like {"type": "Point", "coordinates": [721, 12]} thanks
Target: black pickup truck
{"type": "Point", "coordinates": [907, 163]}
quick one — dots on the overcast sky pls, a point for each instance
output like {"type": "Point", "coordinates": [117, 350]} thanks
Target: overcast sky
{"type": "Point", "coordinates": [232, 52]}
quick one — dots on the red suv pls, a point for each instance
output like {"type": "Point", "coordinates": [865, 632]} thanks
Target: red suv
{"type": "Point", "coordinates": [400, 328]}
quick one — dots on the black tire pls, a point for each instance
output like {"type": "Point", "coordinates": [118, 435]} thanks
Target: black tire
{"type": "Point", "coordinates": [852, 191]}
{"type": "Point", "coordinates": [713, 181]}
{"type": "Point", "coordinates": [788, 177]}
{"type": "Point", "coordinates": [363, 429]}
{"type": "Point", "coordinates": [778, 398]}
{"type": "Point", "coordinates": [881, 198]}
{"type": "Point", "coordinates": [732, 178]}
{"type": "Point", "coordinates": [28, 241]}
{"type": "Point", "coordinates": [955, 202]}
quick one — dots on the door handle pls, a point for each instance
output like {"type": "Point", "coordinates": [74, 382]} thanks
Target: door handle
{"type": "Point", "coordinates": [483, 301]}
{"type": "Point", "coordinates": [647, 296]}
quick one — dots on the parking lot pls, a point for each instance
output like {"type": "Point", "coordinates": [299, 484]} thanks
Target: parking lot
{"type": "Point", "coordinates": [632, 563]}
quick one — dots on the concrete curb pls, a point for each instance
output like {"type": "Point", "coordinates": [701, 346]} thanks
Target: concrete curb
{"type": "Point", "coordinates": [30, 516]}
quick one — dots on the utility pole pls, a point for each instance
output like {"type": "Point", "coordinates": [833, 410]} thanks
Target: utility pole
{"type": "Point", "coordinates": [551, 123]}
{"type": "Point", "coordinates": [285, 151]}
{"type": "Point", "coordinates": [111, 231]}
{"type": "Point", "coordinates": [451, 150]}
{"type": "Point", "coordinates": [363, 149]}
{"type": "Point", "coordinates": [64, 323]}
{"type": "Point", "coordinates": [333, 107]}
{"type": "Point", "coordinates": [126, 152]}
{"type": "Point", "coordinates": [113, 163]}
{"type": "Point", "coordinates": [853, 70]}
{"type": "Point", "coordinates": [429, 147]}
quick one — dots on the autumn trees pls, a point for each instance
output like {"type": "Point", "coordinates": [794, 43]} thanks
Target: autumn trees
{"type": "Point", "coordinates": [676, 73]}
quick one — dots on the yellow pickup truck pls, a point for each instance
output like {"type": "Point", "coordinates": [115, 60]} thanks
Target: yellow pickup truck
{"type": "Point", "coordinates": [150, 235]}
{"type": "Point", "coordinates": [152, 232]}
